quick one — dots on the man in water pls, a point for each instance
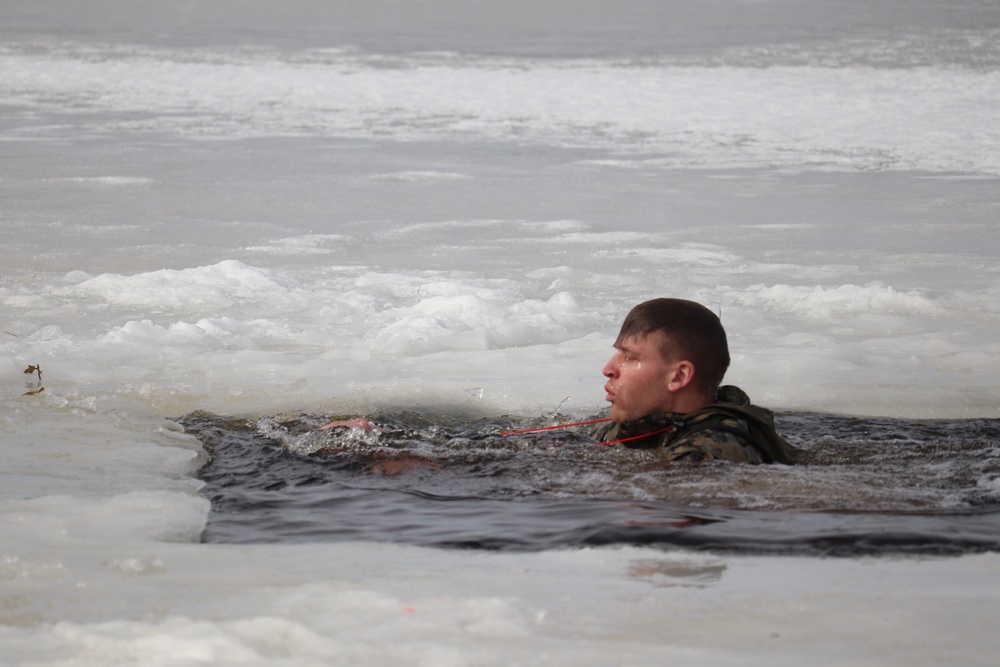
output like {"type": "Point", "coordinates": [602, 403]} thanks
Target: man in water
{"type": "Point", "coordinates": [666, 394]}
{"type": "Point", "coordinates": [664, 386]}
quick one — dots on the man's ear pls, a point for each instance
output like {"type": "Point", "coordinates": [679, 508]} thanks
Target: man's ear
{"type": "Point", "coordinates": [680, 376]}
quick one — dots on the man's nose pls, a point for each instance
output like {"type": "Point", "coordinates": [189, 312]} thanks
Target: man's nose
{"type": "Point", "coordinates": [610, 369]}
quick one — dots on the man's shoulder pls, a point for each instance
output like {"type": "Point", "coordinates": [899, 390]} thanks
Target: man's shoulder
{"type": "Point", "coordinates": [734, 414]}
{"type": "Point", "coordinates": [709, 436]}
{"type": "Point", "coordinates": [714, 436]}
{"type": "Point", "coordinates": [645, 432]}
{"type": "Point", "coordinates": [731, 429]}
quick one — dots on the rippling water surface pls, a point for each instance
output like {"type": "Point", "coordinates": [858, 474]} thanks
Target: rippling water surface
{"type": "Point", "coordinates": [866, 486]}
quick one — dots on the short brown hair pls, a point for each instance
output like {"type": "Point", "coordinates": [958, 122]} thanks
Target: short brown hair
{"type": "Point", "coordinates": [690, 332]}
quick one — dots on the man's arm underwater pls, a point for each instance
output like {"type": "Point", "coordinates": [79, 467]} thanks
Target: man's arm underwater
{"type": "Point", "coordinates": [359, 422]}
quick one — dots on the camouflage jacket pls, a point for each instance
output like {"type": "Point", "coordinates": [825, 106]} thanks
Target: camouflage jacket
{"type": "Point", "coordinates": [729, 430]}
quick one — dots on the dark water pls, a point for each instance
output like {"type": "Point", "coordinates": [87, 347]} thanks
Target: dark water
{"type": "Point", "coordinates": [866, 487]}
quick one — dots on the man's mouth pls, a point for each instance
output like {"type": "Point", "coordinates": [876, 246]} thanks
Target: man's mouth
{"type": "Point", "coordinates": [610, 397]}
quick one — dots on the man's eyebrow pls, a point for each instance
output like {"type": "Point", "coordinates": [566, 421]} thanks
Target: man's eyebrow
{"type": "Point", "coordinates": [624, 347]}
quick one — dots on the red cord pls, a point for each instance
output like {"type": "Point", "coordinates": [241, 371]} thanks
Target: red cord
{"type": "Point", "coordinates": [557, 426]}
{"type": "Point", "coordinates": [592, 421]}
{"type": "Point", "coordinates": [636, 437]}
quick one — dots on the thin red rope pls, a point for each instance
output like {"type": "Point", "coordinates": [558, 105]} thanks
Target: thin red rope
{"type": "Point", "coordinates": [557, 426]}
{"type": "Point", "coordinates": [592, 421]}
{"type": "Point", "coordinates": [636, 437]}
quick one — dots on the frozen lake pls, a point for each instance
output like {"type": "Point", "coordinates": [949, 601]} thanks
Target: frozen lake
{"type": "Point", "coordinates": [440, 211]}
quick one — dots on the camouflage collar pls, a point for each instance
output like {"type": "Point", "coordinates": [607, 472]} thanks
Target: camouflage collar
{"type": "Point", "coordinates": [650, 423]}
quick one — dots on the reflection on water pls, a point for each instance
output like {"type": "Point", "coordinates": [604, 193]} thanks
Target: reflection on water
{"type": "Point", "coordinates": [668, 573]}
{"type": "Point", "coordinates": [866, 486]}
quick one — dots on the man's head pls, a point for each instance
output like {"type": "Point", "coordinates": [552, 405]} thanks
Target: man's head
{"type": "Point", "coordinates": [670, 356]}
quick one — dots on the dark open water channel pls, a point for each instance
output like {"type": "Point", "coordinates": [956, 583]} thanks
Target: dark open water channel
{"type": "Point", "coordinates": [866, 487]}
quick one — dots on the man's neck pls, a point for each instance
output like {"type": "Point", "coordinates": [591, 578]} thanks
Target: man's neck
{"type": "Point", "coordinates": [688, 403]}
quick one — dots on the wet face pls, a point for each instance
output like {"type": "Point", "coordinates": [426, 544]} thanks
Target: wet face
{"type": "Point", "coordinates": [640, 381]}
